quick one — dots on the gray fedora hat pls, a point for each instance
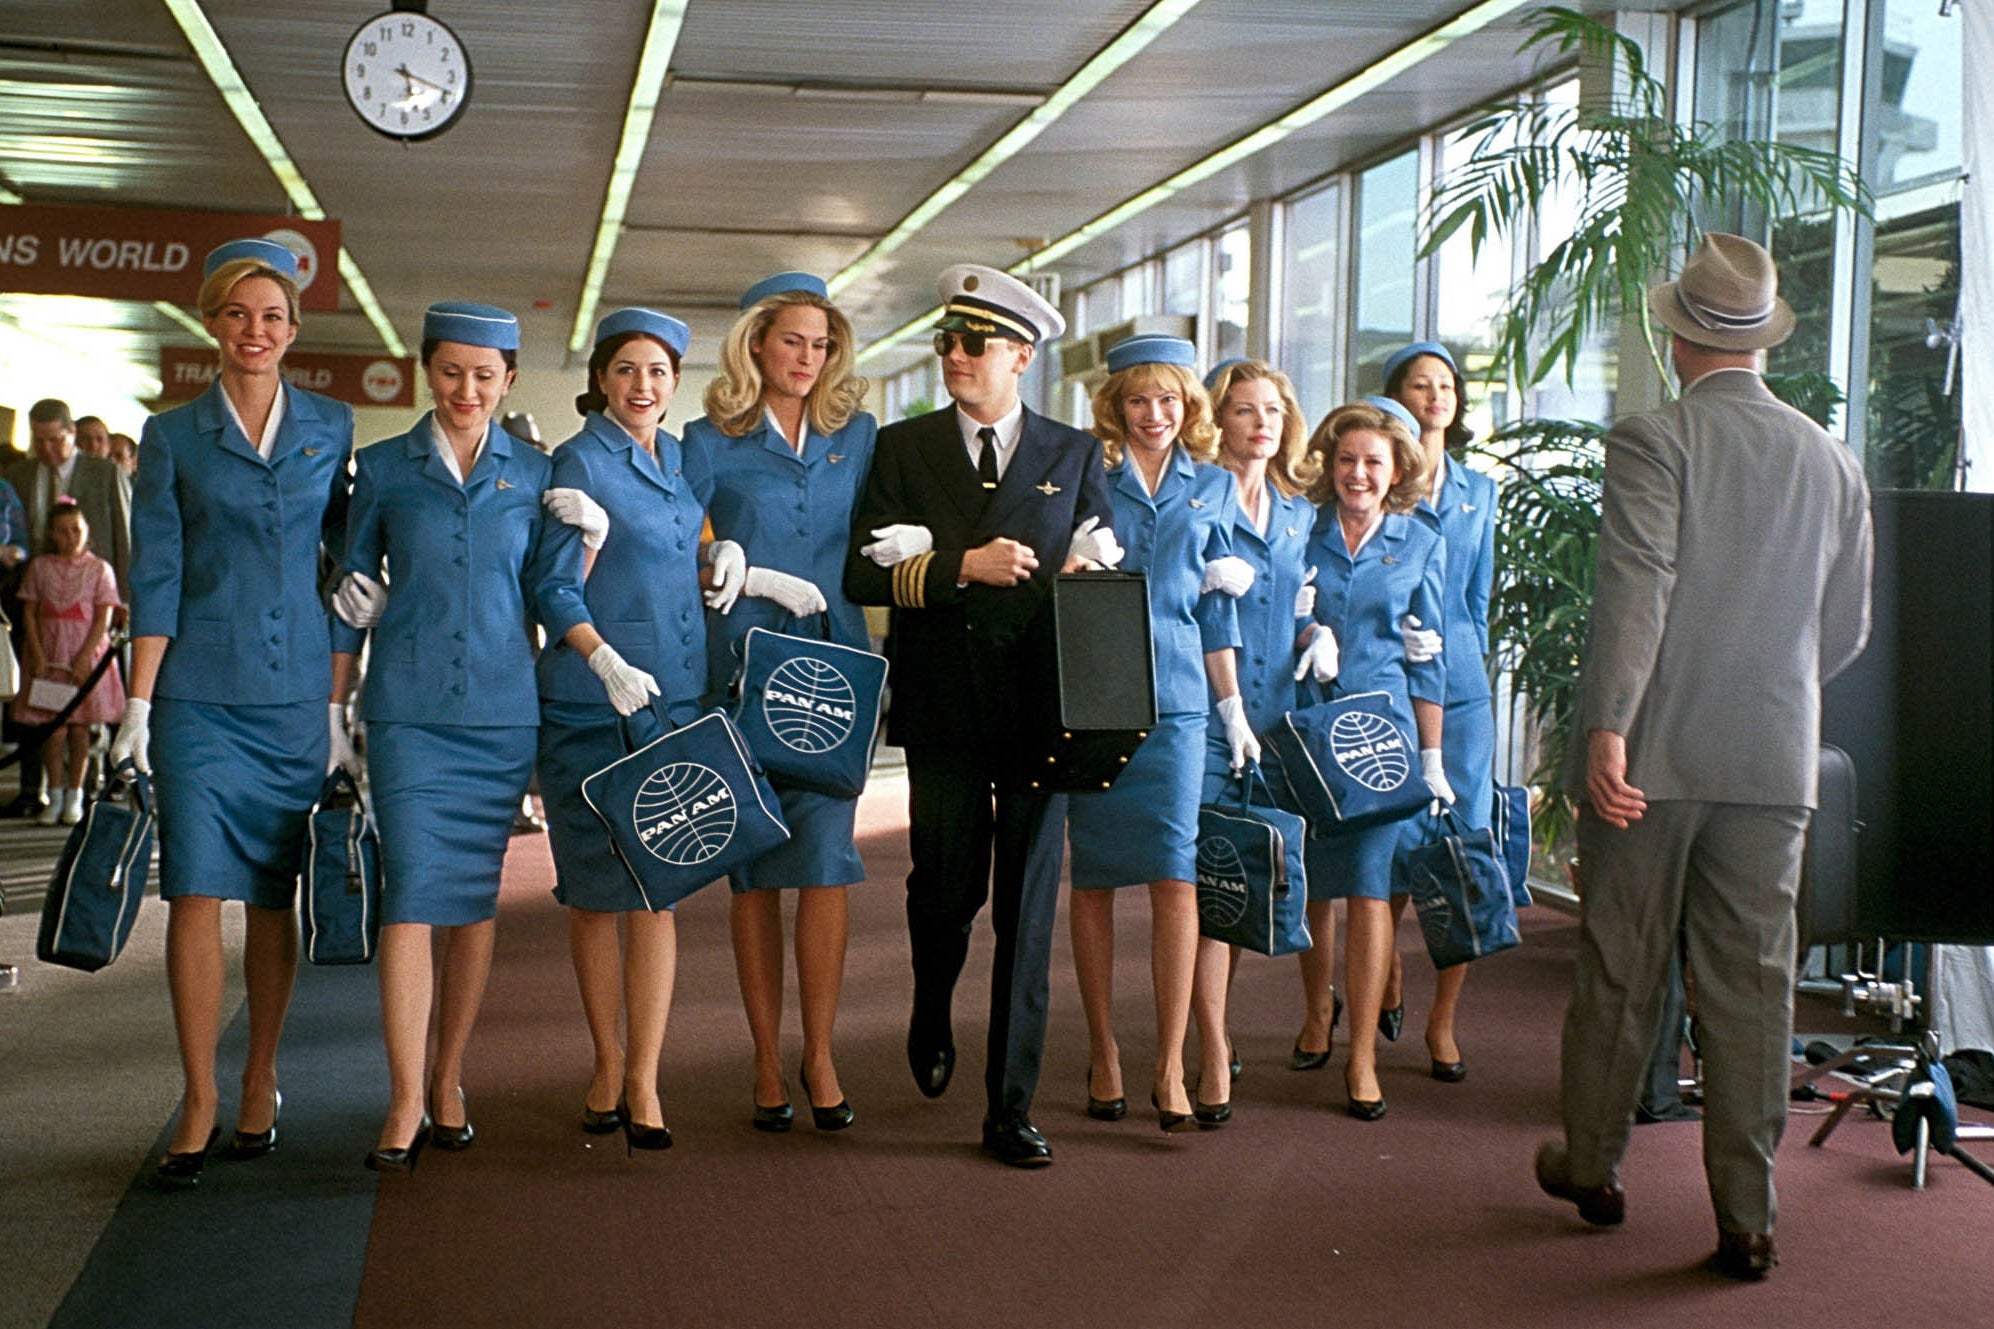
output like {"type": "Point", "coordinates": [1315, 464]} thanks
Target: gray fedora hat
{"type": "Point", "coordinates": [1727, 297]}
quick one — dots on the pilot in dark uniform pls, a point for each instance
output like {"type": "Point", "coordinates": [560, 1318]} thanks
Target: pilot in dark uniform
{"type": "Point", "coordinates": [966, 516]}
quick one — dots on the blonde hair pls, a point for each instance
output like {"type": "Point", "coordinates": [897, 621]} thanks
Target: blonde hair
{"type": "Point", "coordinates": [733, 401]}
{"type": "Point", "coordinates": [1292, 468]}
{"type": "Point", "coordinates": [1198, 435]}
{"type": "Point", "coordinates": [216, 290]}
{"type": "Point", "coordinates": [1408, 457]}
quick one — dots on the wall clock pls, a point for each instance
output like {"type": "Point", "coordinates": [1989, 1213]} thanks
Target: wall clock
{"type": "Point", "coordinates": [406, 74]}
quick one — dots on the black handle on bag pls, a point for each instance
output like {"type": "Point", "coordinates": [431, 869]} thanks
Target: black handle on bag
{"type": "Point", "coordinates": [1246, 778]}
{"type": "Point", "coordinates": [656, 710]}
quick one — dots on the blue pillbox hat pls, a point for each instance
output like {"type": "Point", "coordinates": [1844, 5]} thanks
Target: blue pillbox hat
{"type": "Point", "coordinates": [1151, 348]}
{"type": "Point", "coordinates": [267, 252]}
{"type": "Point", "coordinates": [1212, 376]}
{"type": "Point", "coordinates": [650, 322]}
{"type": "Point", "coordinates": [784, 281]}
{"type": "Point", "coordinates": [470, 324]}
{"type": "Point", "coordinates": [1396, 409]}
{"type": "Point", "coordinates": [1415, 350]}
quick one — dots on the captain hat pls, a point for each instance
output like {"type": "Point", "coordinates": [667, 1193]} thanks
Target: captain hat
{"type": "Point", "coordinates": [996, 304]}
{"type": "Point", "coordinates": [649, 322]}
{"type": "Point", "coordinates": [782, 283]}
{"type": "Point", "coordinates": [278, 258]}
{"type": "Point", "coordinates": [470, 324]}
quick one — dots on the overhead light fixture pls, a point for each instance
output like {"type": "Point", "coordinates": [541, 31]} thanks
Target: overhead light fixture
{"type": "Point", "coordinates": [832, 90]}
{"type": "Point", "coordinates": [659, 40]}
{"type": "Point", "coordinates": [184, 319]}
{"type": "Point", "coordinates": [228, 81]}
{"type": "Point", "coordinates": [1158, 19]}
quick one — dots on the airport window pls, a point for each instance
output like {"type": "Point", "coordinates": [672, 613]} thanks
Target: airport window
{"type": "Point", "coordinates": [1231, 287]}
{"type": "Point", "coordinates": [1470, 292]}
{"type": "Point", "coordinates": [1312, 283]}
{"type": "Point", "coordinates": [1387, 238]}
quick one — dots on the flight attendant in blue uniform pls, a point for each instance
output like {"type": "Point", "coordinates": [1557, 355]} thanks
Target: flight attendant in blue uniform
{"type": "Point", "coordinates": [1377, 565]}
{"type": "Point", "coordinates": [1264, 444]}
{"type": "Point", "coordinates": [789, 449]}
{"type": "Point", "coordinates": [1176, 513]}
{"type": "Point", "coordinates": [639, 501]}
{"type": "Point", "coordinates": [232, 672]}
{"type": "Point", "coordinates": [452, 510]}
{"type": "Point", "coordinates": [1460, 503]}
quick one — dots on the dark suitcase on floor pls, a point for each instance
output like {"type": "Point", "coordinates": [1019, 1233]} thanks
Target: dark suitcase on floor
{"type": "Point", "coordinates": [1827, 907]}
{"type": "Point", "coordinates": [1090, 696]}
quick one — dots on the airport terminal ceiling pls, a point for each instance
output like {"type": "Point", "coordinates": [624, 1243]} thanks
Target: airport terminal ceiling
{"type": "Point", "coordinates": [786, 135]}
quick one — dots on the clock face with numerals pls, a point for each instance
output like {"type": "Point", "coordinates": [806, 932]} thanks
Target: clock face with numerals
{"type": "Point", "coordinates": [406, 75]}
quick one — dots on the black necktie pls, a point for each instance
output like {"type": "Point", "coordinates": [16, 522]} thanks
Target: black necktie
{"type": "Point", "coordinates": [986, 465]}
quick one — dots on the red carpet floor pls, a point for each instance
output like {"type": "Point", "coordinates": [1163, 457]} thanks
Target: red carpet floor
{"type": "Point", "coordinates": [1293, 1215]}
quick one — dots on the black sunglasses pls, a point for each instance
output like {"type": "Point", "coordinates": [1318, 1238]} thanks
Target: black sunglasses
{"type": "Point", "coordinates": [973, 343]}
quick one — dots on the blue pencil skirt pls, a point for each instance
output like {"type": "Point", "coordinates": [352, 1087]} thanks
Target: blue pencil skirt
{"type": "Point", "coordinates": [577, 739]}
{"type": "Point", "coordinates": [235, 786]}
{"type": "Point", "coordinates": [1144, 827]}
{"type": "Point", "coordinates": [444, 798]}
{"type": "Point", "coordinates": [1357, 865]}
{"type": "Point", "coordinates": [818, 852]}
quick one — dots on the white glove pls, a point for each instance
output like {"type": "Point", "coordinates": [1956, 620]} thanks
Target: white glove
{"type": "Point", "coordinates": [897, 544]}
{"type": "Point", "coordinates": [1421, 644]}
{"type": "Point", "coordinates": [1095, 545]}
{"type": "Point", "coordinates": [134, 736]}
{"type": "Point", "coordinates": [1305, 598]}
{"type": "Point", "coordinates": [1320, 658]}
{"type": "Point", "coordinates": [801, 598]}
{"type": "Point", "coordinates": [1232, 575]}
{"type": "Point", "coordinates": [630, 689]}
{"type": "Point", "coordinates": [1435, 774]}
{"type": "Point", "coordinates": [342, 756]}
{"type": "Point", "coordinates": [577, 509]}
{"type": "Point", "coordinates": [359, 600]}
{"type": "Point", "coordinates": [1238, 733]}
{"type": "Point", "coordinates": [730, 573]}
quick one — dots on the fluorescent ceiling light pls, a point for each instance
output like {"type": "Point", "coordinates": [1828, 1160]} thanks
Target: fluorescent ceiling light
{"type": "Point", "coordinates": [228, 81]}
{"type": "Point", "coordinates": [666, 16]}
{"type": "Point", "coordinates": [1357, 85]}
{"type": "Point", "coordinates": [184, 319]}
{"type": "Point", "coordinates": [1156, 20]}
{"type": "Point", "coordinates": [9, 196]}
{"type": "Point", "coordinates": [830, 90]}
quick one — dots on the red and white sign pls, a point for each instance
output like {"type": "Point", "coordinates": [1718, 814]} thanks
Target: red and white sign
{"type": "Point", "coordinates": [355, 378]}
{"type": "Point", "coordinates": [149, 253]}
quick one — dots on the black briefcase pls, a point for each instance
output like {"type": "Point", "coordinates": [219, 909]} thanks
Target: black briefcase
{"type": "Point", "coordinates": [1827, 907]}
{"type": "Point", "coordinates": [1090, 694]}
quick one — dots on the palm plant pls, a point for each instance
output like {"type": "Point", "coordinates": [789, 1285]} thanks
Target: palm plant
{"type": "Point", "coordinates": [1630, 178]}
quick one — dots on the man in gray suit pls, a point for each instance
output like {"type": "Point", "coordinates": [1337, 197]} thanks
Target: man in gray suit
{"type": "Point", "coordinates": [1733, 580]}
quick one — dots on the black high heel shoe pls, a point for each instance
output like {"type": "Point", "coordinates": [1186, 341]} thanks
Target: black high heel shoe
{"type": "Point", "coordinates": [1392, 1022]}
{"type": "Point", "coordinates": [455, 1139]}
{"type": "Point", "coordinates": [775, 1120]}
{"type": "Point", "coordinates": [244, 1145]}
{"type": "Point", "coordinates": [1299, 1060]}
{"type": "Point", "coordinates": [641, 1137]}
{"type": "Point", "coordinates": [1211, 1116]}
{"type": "Point", "coordinates": [182, 1171]}
{"type": "Point", "coordinates": [402, 1159]}
{"type": "Point", "coordinates": [1171, 1122]}
{"type": "Point", "coordinates": [834, 1118]}
{"type": "Point", "coordinates": [601, 1123]}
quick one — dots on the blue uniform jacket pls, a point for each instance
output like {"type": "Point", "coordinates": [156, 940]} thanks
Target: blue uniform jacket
{"type": "Point", "coordinates": [1267, 622]}
{"type": "Point", "coordinates": [467, 567]}
{"type": "Point", "coordinates": [1401, 570]}
{"type": "Point", "coordinates": [1465, 519]}
{"type": "Point", "coordinates": [643, 591]}
{"type": "Point", "coordinates": [225, 548]}
{"type": "Point", "coordinates": [14, 523]}
{"type": "Point", "coordinates": [1171, 537]}
{"type": "Point", "coordinates": [788, 512]}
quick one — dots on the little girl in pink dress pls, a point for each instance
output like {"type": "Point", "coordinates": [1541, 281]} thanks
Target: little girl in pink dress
{"type": "Point", "coordinates": [68, 594]}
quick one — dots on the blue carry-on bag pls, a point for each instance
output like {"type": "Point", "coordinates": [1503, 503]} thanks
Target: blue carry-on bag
{"type": "Point", "coordinates": [93, 897]}
{"type": "Point", "coordinates": [341, 913]}
{"type": "Point", "coordinates": [1252, 887]}
{"type": "Point", "coordinates": [1460, 890]}
{"type": "Point", "coordinates": [809, 708]}
{"type": "Point", "coordinates": [685, 808]}
{"type": "Point", "coordinates": [1345, 764]}
{"type": "Point", "coordinates": [1509, 819]}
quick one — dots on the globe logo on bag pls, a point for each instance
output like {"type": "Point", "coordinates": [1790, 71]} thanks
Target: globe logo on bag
{"type": "Point", "coordinates": [1221, 883]}
{"type": "Point", "coordinates": [810, 707]}
{"type": "Point", "coordinates": [1370, 749]}
{"type": "Point", "coordinates": [684, 813]}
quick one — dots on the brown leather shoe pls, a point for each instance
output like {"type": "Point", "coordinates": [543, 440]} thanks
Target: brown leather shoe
{"type": "Point", "coordinates": [1747, 1256]}
{"type": "Point", "coordinates": [1602, 1206]}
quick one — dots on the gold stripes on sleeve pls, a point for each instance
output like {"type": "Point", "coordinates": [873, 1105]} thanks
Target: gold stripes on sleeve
{"type": "Point", "coordinates": [910, 581]}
